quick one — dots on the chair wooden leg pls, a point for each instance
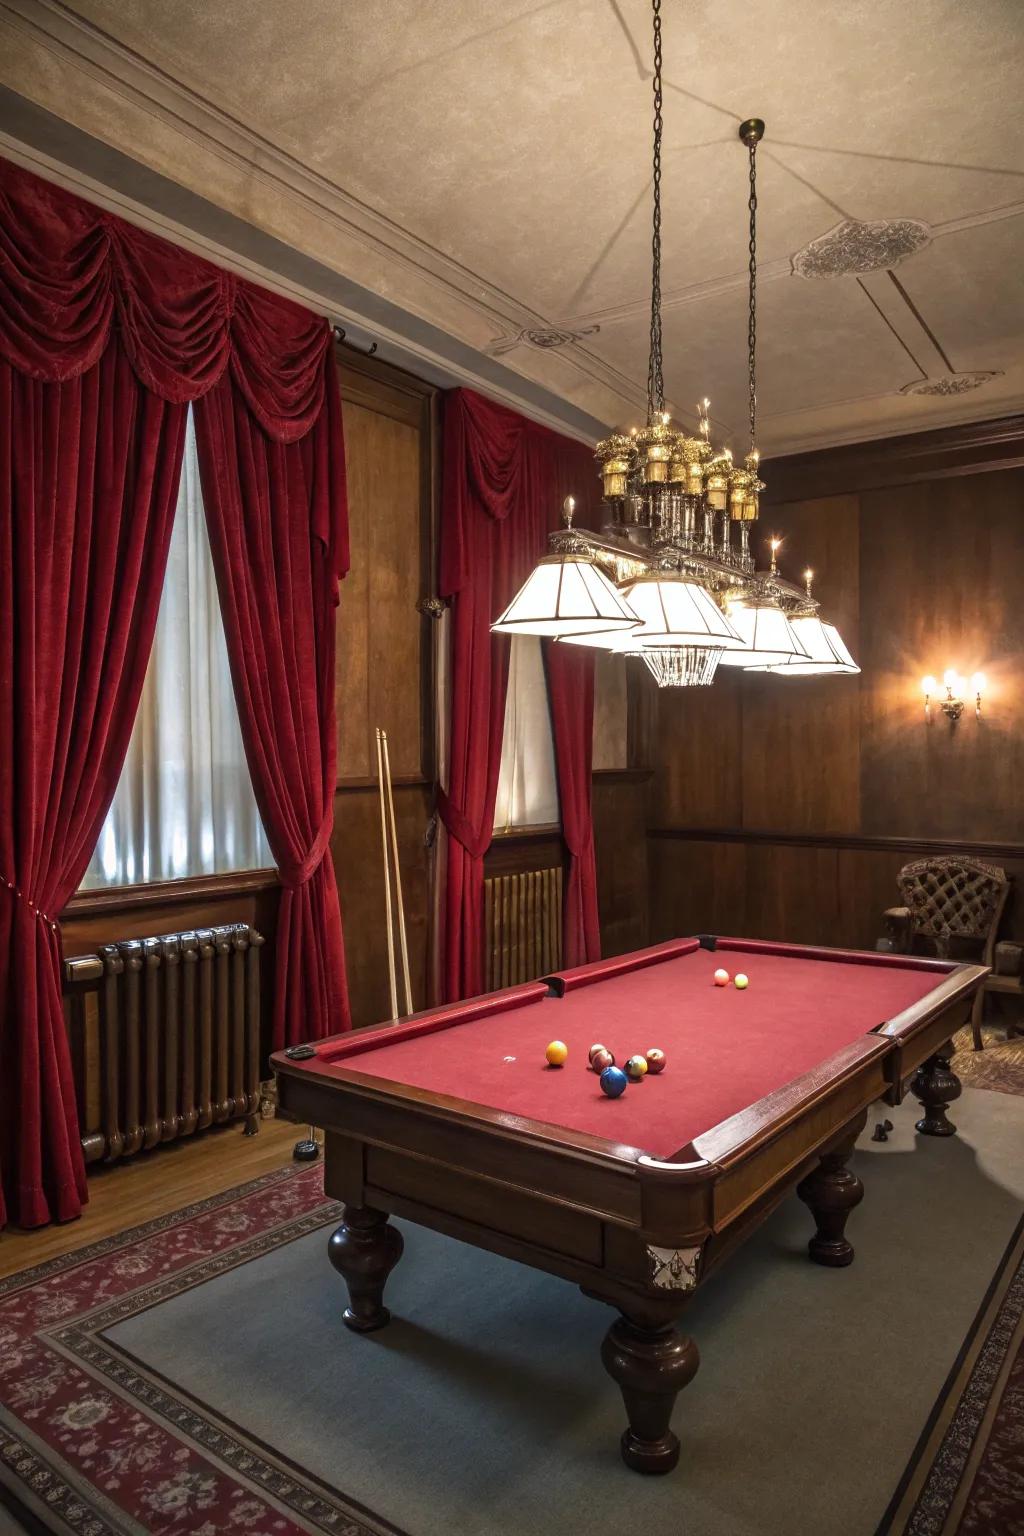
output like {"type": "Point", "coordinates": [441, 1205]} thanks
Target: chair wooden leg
{"type": "Point", "coordinates": [977, 1013]}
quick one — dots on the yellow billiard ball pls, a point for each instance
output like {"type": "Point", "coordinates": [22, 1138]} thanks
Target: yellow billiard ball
{"type": "Point", "coordinates": [636, 1068]}
{"type": "Point", "coordinates": [740, 982]}
{"type": "Point", "coordinates": [557, 1053]}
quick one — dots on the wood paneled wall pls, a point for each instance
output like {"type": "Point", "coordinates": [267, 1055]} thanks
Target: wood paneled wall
{"type": "Point", "coordinates": [784, 808]}
{"type": "Point", "coordinates": [385, 673]}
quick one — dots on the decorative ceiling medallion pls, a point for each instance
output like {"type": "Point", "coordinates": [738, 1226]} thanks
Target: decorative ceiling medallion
{"type": "Point", "coordinates": [951, 383]}
{"type": "Point", "coordinates": [544, 336]}
{"type": "Point", "coordinates": [860, 246]}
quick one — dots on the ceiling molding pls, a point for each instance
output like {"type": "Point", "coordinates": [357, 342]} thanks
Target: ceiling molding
{"type": "Point", "coordinates": [413, 345]}
{"type": "Point", "coordinates": [263, 211]}
{"type": "Point", "coordinates": [970, 448]}
{"type": "Point", "coordinates": [50, 25]}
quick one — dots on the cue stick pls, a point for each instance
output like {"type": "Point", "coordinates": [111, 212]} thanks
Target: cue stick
{"type": "Point", "coordinates": [392, 982]}
{"type": "Point", "coordinates": [403, 942]}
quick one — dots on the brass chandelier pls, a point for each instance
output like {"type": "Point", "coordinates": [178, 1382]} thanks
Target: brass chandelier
{"type": "Point", "coordinates": [671, 577]}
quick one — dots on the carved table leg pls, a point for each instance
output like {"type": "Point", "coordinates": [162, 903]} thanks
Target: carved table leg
{"type": "Point", "coordinates": [364, 1251]}
{"type": "Point", "coordinates": [831, 1191]}
{"type": "Point", "coordinates": [935, 1085]}
{"type": "Point", "coordinates": [651, 1361]}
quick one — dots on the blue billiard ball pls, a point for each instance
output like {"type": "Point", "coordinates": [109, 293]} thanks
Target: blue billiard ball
{"type": "Point", "coordinates": [613, 1081]}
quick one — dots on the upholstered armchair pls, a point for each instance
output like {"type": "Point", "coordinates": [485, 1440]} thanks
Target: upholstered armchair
{"type": "Point", "coordinates": [953, 901]}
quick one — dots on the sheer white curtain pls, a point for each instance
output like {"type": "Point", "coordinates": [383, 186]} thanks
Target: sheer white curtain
{"type": "Point", "coordinates": [184, 805]}
{"type": "Point", "coordinates": [527, 785]}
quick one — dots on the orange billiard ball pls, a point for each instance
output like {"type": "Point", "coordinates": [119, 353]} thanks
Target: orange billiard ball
{"type": "Point", "coordinates": [721, 978]}
{"type": "Point", "coordinates": [557, 1053]}
{"type": "Point", "coordinates": [655, 1060]}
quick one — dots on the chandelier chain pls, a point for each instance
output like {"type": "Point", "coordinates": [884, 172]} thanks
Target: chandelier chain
{"type": "Point", "coordinates": [752, 318]}
{"type": "Point", "coordinates": [655, 375]}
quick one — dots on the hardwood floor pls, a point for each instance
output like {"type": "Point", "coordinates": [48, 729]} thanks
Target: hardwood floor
{"type": "Point", "coordinates": [129, 1193]}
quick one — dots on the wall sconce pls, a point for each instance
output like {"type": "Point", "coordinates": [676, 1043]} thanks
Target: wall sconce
{"type": "Point", "coordinates": [956, 687]}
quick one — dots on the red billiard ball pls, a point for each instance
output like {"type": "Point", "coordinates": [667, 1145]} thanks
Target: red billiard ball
{"type": "Point", "coordinates": [602, 1060]}
{"type": "Point", "coordinates": [593, 1052]}
{"type": "Point", "coordinates": [655, 1060]}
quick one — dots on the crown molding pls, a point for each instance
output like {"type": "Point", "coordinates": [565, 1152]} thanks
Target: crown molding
{"type": "Point", "coordinates": [970, 448]}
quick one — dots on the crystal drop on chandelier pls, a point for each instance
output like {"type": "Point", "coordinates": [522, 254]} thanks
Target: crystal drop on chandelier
{"type": "Point", "coordinates": [683, 666]}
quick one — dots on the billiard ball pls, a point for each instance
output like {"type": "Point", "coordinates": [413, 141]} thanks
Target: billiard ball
{"type": "Point", "coordinates": [636, 1068]}
{"type": "Point", "coordinates": [594, 1049]}
{"type": "Point", "coordinates": [613, 1081]}
{"type": "Point", "coordinates": [740, 982]}
{"type": "Point", "coordinates": [602, 1059]}
{"type": "Point", "coordinates": [655, 1060]}
{"type": "Point", "coordinates": [556, 1053]}
{"type": "Point", "coordinates": [721, 978]}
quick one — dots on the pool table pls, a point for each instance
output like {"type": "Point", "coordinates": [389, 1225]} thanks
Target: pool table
{"type": "Point", "coordinates": [453, 1119]}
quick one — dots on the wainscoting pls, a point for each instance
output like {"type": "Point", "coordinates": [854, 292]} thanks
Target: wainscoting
{"type": "Point", "coordinates": [784, 808]}
{"type": "Point", "coordinates": [811, 889]}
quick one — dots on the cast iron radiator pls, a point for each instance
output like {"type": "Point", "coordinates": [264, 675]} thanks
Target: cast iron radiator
{"type": "Point", "coordinates": [522, 926]}
{"type": "Point", "coordinates": [165, 1037]}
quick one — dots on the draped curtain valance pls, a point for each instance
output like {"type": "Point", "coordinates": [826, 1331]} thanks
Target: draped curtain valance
{"type": "Point", "coordinates": [70, 272]}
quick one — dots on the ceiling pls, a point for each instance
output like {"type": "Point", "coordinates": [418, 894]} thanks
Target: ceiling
{"type": "Point", "coordinates": [479, 171]}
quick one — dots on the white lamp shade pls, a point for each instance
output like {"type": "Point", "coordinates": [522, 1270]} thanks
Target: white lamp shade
{"type": "Point", "coordinates": [835, 639]}
{"type": "Point", "coordinates": [566, 596]}
{"type": "Point", "coordinates": [672, 610]}
{"type": "Point", "coordinates": [768, 638]}
{"type": "Point", "coordinates": [826, 653]}
{"type": "Point", "coordinates": [678, 611]}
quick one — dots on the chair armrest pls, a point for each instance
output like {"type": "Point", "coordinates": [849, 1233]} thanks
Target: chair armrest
{"type": "Point", "coordinates": [898, 928]}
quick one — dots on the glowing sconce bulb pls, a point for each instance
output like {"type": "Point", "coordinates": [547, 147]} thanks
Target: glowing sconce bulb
{"type": "Point", "coordinates": [956, 688]}
{"type": "Point", "coordinates": [928, 687]}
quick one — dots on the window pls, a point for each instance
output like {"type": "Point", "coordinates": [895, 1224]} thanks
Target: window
{"type": "Point", "coordinates": [184, 805]}
{"type": "Point", "coordinates": [527, 784]}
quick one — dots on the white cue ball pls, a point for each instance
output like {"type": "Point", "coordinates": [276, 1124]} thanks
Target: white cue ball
{"type": "Point", "coordinates": [721, 978]}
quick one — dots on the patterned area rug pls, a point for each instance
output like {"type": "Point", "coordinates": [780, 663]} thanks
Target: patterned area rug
{"type": "Point", "coordinates": [1000, 1066]}
{"type": "Point", "coordinates": [95, 1442]}
{"type": "Point", "coordinates": [88, 1444]}
{"type": "Point", "coordinates": [966, 1477]}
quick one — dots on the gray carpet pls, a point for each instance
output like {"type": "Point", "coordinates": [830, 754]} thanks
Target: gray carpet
{"type": "Point", "coordinates": [484, 1409]}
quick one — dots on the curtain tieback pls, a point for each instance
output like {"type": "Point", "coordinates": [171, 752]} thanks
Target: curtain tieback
{"type": "Point", "coordinates": [458, 826]}
{"type": "Point", "coordinates": [294, 875]}
{"type": "Point", "coordinates": [36, 911]}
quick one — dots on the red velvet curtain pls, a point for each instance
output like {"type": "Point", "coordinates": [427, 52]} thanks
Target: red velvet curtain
{"type": "Point", "coordinates": [273, 509]}
{"type": "Point", "coordinates": [105, 333]}
{"type": "Point", "coordinates": [89, 474]}
{"type": "Point", "coordinates": [570, 675]}
{"type": "Point", "coordinates": [505, 479]}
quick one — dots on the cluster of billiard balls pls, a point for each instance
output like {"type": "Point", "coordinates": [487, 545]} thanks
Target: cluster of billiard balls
{"type": "Point", "coordinates": [614, 1080]}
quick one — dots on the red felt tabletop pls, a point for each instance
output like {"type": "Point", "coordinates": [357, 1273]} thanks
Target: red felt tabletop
{"type": "Point", "coordinates": [726, 1049]}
